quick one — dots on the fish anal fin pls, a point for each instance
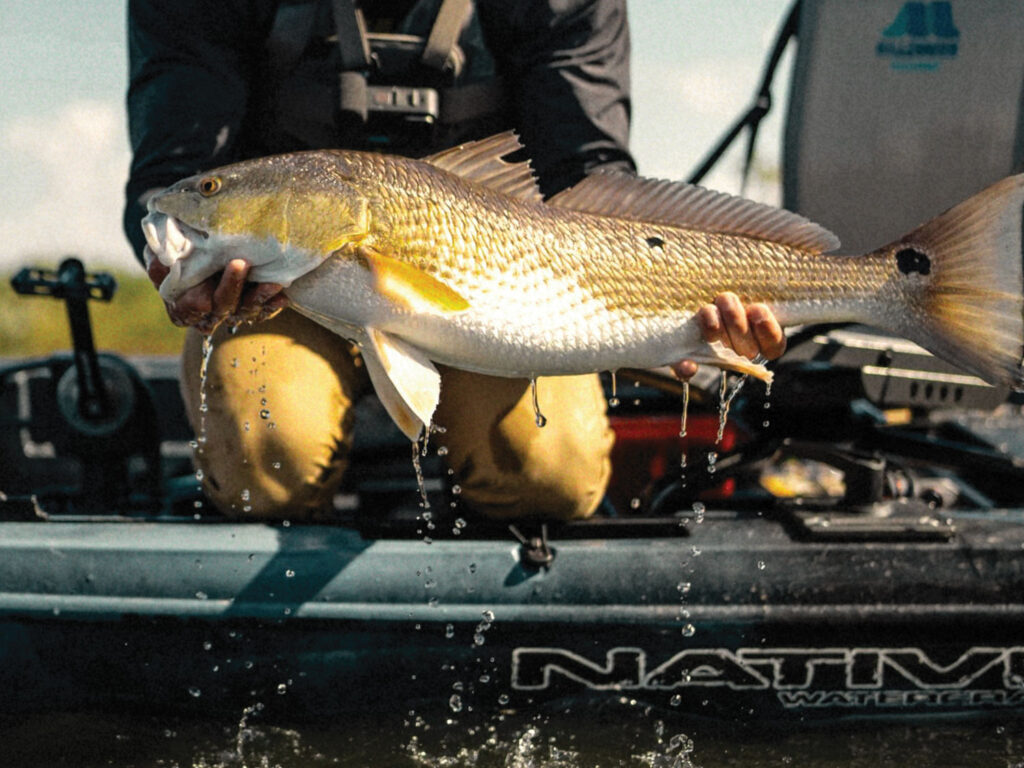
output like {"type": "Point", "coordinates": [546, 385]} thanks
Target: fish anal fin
{"type": "Point", "coordinates": [406, 382]}
{"type": "Point", "coordinates": [721, 356]}
{"type": "Point", "coordinates": [481, 162]}
{"type": "Point", "coordinates": [676, 204]}
{"type": "Point", "coordinates": [408, 286]}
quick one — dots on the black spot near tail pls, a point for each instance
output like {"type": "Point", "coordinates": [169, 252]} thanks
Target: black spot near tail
{"type": "Point", "coordinates": [910, 260]}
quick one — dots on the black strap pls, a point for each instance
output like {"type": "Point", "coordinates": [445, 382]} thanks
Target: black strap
{"type": "Point", "coordinates": [762, 104]}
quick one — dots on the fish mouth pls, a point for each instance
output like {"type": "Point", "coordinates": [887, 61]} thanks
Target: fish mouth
{"type": "Point", "coordinates": [169, 238]}
{"type": "Point", "coordinates": [172, 241]}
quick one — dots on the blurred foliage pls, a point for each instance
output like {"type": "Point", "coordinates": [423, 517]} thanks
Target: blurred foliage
{"type": "Point", "coordinates": [133, 322]}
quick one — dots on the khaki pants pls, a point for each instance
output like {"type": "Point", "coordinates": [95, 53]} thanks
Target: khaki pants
{"type": "Point", "coordinates": [279, 412]}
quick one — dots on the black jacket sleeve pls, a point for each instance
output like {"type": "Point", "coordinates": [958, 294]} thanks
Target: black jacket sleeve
{"type": "Point", "coordinates": [191, 64]}
{"type": "Point", "coordinates": [566, 66]}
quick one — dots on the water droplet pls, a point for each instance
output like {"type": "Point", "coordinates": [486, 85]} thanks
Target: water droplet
{"type": "Point", "coordinates": [684, 586]}
{"type": "Point", "coordinates": [282, 689]}
{"type": "Point", "coordinates": [246, 426]}
{"type": "Point", "coordinates": [538, 416]}
{"type": "Point", "coordinates": [199, 475]}
{"type": "Point", "coordinates": [761, 565]}
{"type": "Point", "coordinates": [449, 631]}
{"type": "Point", "coordinates": [245, 494]}
{"type": "Point", "coordinates": [488, 616]}
{"type": "Point", "coordinates": [688, 630]}
{"type": "Point", "coordinates": [194, 692]}
{"type": "Point", "coordinates": [676, 700]}
{"type": "Point", "coordinates": [472, 567]}
{"type": "Point", "coordinates": [289, 574]}
{"type": "Point", "coordinates": [634, 503]}
{"type": "Point", "coordinates": [202, 595]}
{"type": "Point", "coordinates": [503, 699]}
{"type": "Point", "coordinates": [698, 512]}
{"type": "Point", "coordinates": [456, 490]}
{"type": "Point", "coordinates": [686, 408]}
{"type": "Point", "coordinates": [613, 402]}
{"type": "Point", "coordinates": [442, 450]}
{"type": "Point", "coordinates": [276, 465]}
{"type": "Point", "coordinates": [234, 360]}
{"type": "Point", "coordinates": [207, 645]}
{"type": "Point", "coordinates": [421, 483]}
{"type": "Point", "coordinates": [695, 550]}
{"type": "Point", "coordinates": [264, 413]}
{"type": "Point", "coordinates": [455, 702]}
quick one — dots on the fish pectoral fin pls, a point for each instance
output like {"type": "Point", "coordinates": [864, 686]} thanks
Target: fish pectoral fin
{"type": "Point", "coordinates": [410, 287]}
{"type": "Point", "coordinates": [721, 356]}
{"type": "Point", "coordinates": [406, 382]}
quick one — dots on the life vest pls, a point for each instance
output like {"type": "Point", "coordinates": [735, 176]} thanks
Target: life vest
{"type": "Point", "coordinates": [428, 84]}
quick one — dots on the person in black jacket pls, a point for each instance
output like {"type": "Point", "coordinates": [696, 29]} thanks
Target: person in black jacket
{"type": "Point", "coordinates": [213, 83]}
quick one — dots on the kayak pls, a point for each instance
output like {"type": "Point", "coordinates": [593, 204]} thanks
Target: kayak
{"type": "Point", "coordinates": [853, 548]}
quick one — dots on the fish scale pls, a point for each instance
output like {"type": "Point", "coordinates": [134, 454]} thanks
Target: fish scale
{"type": "Point", "coordinates": [456, 259]}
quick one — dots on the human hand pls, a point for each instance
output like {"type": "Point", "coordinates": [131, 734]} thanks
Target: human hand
{"type": "Point", "coordinates": [219, 297]}
{"type": "Point", "coordinates": [749, 330]}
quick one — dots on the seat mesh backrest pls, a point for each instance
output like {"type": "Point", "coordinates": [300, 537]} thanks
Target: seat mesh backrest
{"type": "Point", "coordinates": [899, 110]}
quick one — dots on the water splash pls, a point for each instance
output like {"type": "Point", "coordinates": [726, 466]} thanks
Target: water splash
{"type": "Point", "coordinates": [538, 416]}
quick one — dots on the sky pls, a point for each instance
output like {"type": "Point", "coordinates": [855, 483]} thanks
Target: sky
{"type": "Point", "coordinates": [63, 138]}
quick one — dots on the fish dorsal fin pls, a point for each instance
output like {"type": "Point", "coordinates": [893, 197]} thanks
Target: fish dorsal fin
{"type": "Point", "coordinates": [676, 204]}
{"type": "Point", "coordinates": [481, 162]}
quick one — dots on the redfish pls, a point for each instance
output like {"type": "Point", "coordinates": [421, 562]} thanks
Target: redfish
{"type": "Point", "coordinates": [456, 259]}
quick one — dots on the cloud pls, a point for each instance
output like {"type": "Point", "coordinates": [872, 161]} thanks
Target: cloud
{"type": "Point", "coordinates": [66, 171]}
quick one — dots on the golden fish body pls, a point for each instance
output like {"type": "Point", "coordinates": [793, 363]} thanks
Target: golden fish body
{"type": "Point", "coordinates": [455, 259]}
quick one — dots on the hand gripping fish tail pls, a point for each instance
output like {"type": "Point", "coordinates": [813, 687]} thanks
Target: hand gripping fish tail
{"type": "Point", "coordinates": [963, 280]}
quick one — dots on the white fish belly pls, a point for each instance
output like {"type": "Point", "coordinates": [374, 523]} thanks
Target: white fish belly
{"type": "Point", "coordinates": [550, 327]}
{"type": "Point", "coordinates": [500, 346]}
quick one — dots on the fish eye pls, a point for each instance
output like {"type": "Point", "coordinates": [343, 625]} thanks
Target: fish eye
{"type": "Point", "coordinates": [209, 185]}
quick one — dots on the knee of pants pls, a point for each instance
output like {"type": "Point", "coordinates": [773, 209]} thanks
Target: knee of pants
{"type": "Point", "coordinates": [509, 467]}
{"type": "Point", "coordinates": [273, 417]}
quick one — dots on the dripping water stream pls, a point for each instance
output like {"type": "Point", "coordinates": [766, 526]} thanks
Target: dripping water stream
{"type": "Point", "coordinates": [538, 416]}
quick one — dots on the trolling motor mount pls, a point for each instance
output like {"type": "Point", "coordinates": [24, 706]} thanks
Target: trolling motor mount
{"type": "Point", "coordinates": [109, 422]}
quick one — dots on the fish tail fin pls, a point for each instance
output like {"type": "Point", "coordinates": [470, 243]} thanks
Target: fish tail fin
{"type": "Point", "coordinates": [967, 266]}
